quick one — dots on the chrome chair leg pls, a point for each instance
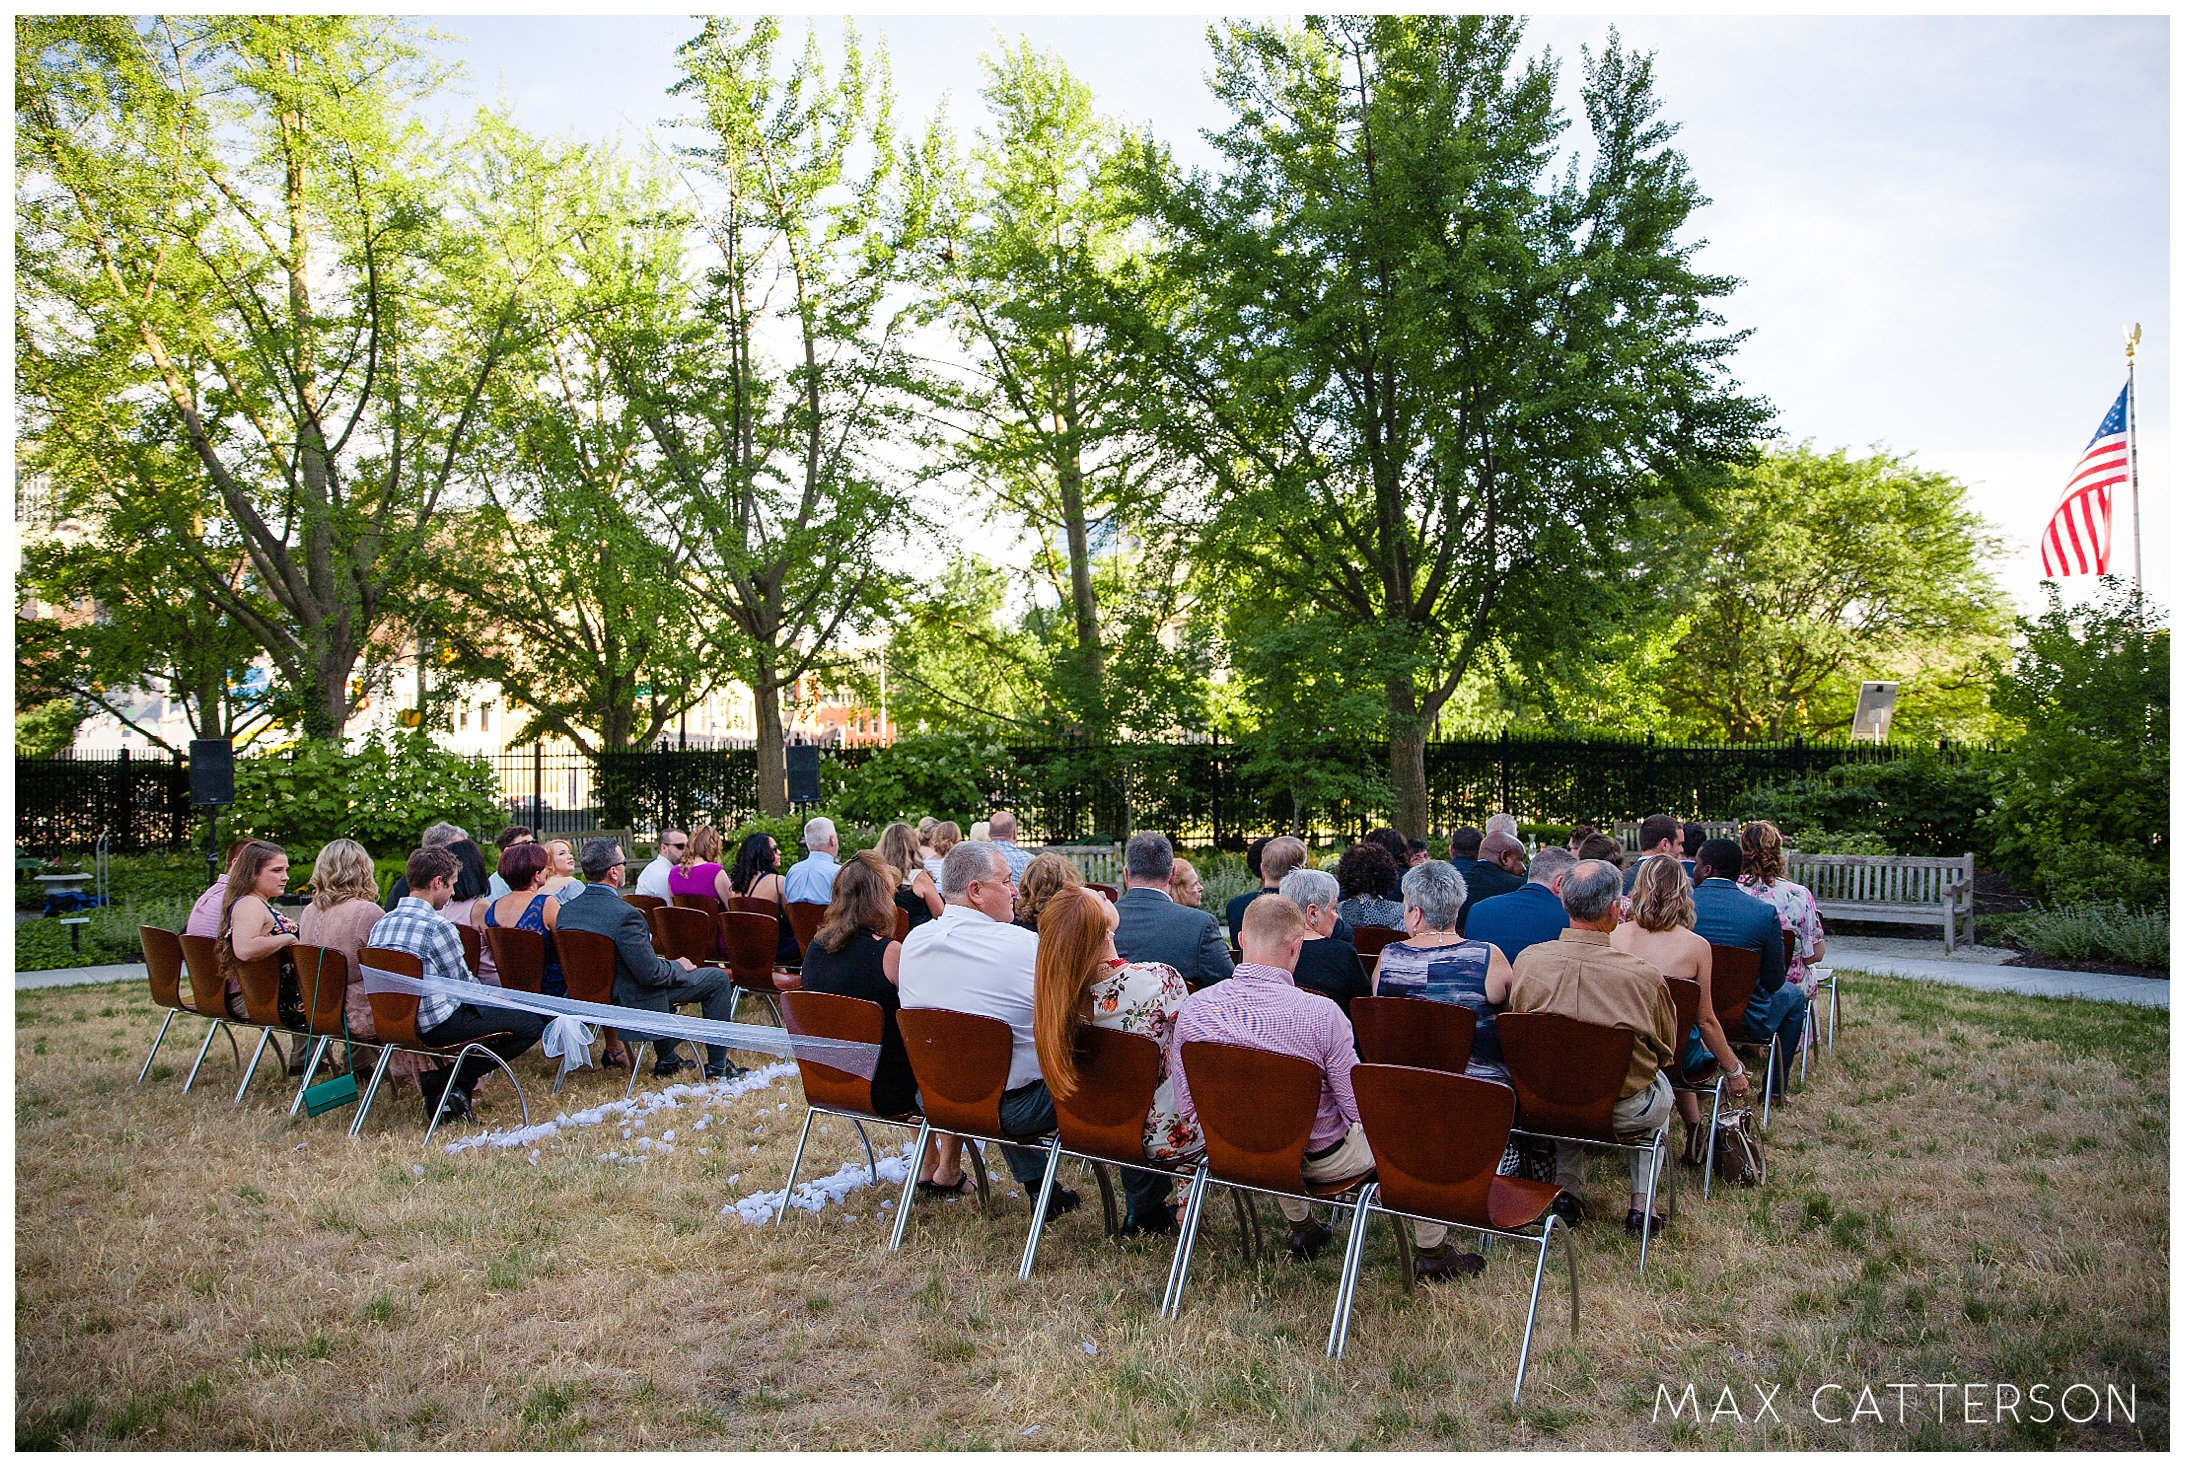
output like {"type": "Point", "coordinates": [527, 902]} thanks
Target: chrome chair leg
{"type": "Point", "coordinates": [1767, 1095]}
{"type": "Point", "coordinates": [910, 1185]}
{"type": "Point", "coordinates": [1646, 1222]}
{"type": "Point", "coordinates": [1039, 1207]}
{"type": "Point", "coordinates": [156, 1040]}
{"type": "Point", "coordinates": [1714, 1119]}
{"type": "Point", "coordinates": [463, 1054]}
{"type": "Point", "coordinates": [311, 1067]}
{"type": "Point", "coordinates": [215, 1027]}
{"type": "Point", "coordinates": [796, 1161]}
{"type": "Point", "coordinates": [637, 1057]}
{"type": "Point", "coordinates": [1532, 1310]}
{"type": "Point", "coordinates": [1346, 1287]}
{"type": "Point", "coordinates": [1832, 1013]}
{"type": "Point", "coordinates": [872, 1163]}
{"type": "Point", "coordinates": [1180, 1267]}
{"type": "Point", "coordinates": [265, 1036]}
{"type": "Point", "coordinates": [379, 1073]}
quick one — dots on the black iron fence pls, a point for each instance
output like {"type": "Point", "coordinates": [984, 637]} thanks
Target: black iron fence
{"type": "Point", "coordinates": [1061, 792]}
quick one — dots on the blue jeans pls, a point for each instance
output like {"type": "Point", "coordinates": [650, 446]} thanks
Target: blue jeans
{"type": "Point", "coordinates": [1782, 1014]}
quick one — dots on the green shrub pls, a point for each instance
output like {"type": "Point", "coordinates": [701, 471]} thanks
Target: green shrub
{"type": "Point", "coordinates": [1842, 843]}
{"type": "Point", "coordinates": [382, 794]}
{"type": "Point", "coordinates": [949, 775]}
{"type": "Point", "coordinates": [2086, 871]}
{"type": "Point", "coordinates": [109, 937]}
{"type": "Point", "coordinates": [1918, 806]}
{"type": "Point", "coordinates": [2097, 931]}
{"type": "Point", "coordinates": [45, 731]}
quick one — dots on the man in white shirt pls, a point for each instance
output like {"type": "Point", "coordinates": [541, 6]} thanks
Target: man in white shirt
{"type": "Point", "coordinates": [813, 878]}
{"type": "Point", "coordinates": [511, 835]}
{"type": "Point", "coordinates": [974, 960]}
{"type": "Point", "coordinates": [653, 880]}
{"type": "Point", "coordinates": [1002, 831]}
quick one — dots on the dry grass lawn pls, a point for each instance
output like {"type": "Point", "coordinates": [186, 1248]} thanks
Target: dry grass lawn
{"type": "Point", "coordinates": [1974, 1189]}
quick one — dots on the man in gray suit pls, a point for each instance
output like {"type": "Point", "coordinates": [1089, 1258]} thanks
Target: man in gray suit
{"type": "Point", "coordinates": [1154, 929]}
{"type": "Point", "coordinates": [644, 979]}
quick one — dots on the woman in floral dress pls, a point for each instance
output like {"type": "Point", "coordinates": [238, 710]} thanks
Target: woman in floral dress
{"type": "Point", "coordinates": [1761, 845]}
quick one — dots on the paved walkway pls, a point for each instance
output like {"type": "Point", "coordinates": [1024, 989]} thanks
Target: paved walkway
{"type": "Point", "coordinates": [70, 977]}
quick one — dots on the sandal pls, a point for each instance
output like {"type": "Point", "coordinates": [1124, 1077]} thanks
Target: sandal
{"type": "Point", "coordinates": [965, 1185]}
{"type": "Point", "coordinates": [1695, 1146]}
{"type": "Point", "coordinates": [615, 1059]}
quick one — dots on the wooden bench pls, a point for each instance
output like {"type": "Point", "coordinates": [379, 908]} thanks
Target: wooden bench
{"type": "Point", "coordinates": [1103, 864]}
{"type": "Point", "coordinates": [1627, 831]}
{"type": "Point", "coordinates": [1921, 890]}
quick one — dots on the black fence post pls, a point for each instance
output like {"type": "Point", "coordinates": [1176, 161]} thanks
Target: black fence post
{"type": "Point", "coordinates": [538, 787]}
{"type": "Point", "coordinates": [1502, 768]}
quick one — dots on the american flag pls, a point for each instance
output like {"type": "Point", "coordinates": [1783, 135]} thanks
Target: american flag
{"type": "Point", "coordinates": [2076, 542]}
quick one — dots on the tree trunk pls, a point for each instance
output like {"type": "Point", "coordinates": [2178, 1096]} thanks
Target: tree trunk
{"type": "Point", "coordinates": [773, 762]}
{"type": "Point", "coordinates": [1407, 757]}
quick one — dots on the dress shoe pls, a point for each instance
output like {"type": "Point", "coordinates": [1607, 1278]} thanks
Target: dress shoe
{"type": "Point", "coordinates": [1309, 1237]}
{"type": "Point", "coordinates": [1635, 1222]}
{"type": "Point", "coordinates": [1446, 1262]}
{"type": "Point", "coordinates": [1063, 1200]}
{"type": "Point", "coordinates": [1162, 1223]}
{"type": "Point", "coordinates": [454, 1106]}
{"type": "Point", "coordinates": [1569, 1207]}
{"type": "Point", "coordinates": [725, 1070]}
{"type": "Point", "coordinates": [667, 1068]}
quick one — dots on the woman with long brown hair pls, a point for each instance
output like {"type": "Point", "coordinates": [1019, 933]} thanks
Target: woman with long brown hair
{"type": "Point", "coordinates": [251, 927]}
{"type": "Point", "coordinates": [1659, 932]}
{"type": "Point", "coordinates": [1050, 874]}
{"type": "Point", "coordinates": [915, 892]}
{"type": "Point", "coordinates": [1079, 980]}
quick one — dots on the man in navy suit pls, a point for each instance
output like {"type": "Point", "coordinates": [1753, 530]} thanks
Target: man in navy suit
{"type": "Point", "coordinates": [1533, 913]}
{"type": "Point", "coordinates": [1729, 917]}
{"type": "Point", "coordinates": [1154, 929]}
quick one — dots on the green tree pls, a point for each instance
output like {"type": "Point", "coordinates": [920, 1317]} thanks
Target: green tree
{"type": "Point", "coordinates": [1427, 383]}
{"type": "Point", "coordinates": [258, 304]}
{"type": "Point", "coordinates": [2091, 686]}
{"type": "Point", "coordinates": [1816, 571]}
{"type": "Point", "coordinates": [771, 409]}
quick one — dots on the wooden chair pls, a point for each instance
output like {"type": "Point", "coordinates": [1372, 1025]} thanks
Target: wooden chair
{"type": "Point", "coordinates": [261, 980]}
{"type": "Point", "coordinates": [962, 1065]}
{"type": "Point", "coordinates": [473, 947]}
{"type": "Point", "coordinates": [698, 902]}
{"type": "Point", "coordinates": [1413, 1031]}
{"type": "Point", "coordinates": [683, 932]}
{"type": "Point", "coordinates": [520, 957]}
{"type": "Point", "coordinates": [902, 924]}
{"type": "Point", "coordinates": [805, 918]}
{"type": "Point", "coordinates": [588, 968]}
{"type": "Point", "coordinates": [1568, 1076]}
{"type": "Point", "coordinates": [209, 996]}
{"type": "Point", "coordinates": [163, 969]}
{"type": "Point", "coordinates": [1369, 940]}
{"type": "Point", "coordinates": [827, 1090]}
{"type": "Point", "coordinates": [1736, 974]}
{"type": "Point", "coordinates": [1103, 888]}
{"type": "Point", "coordinates": [1256, 1109]}
{"type": "Point", "coordinates": [749, 939]}
{"type": "Point", "coordinates": [759, 906]}
{"type": "Point", "coordinates": [1105, 1121]}
{"type": "Point", "coordinates": [1708, 1079]}
{"type": "Point", "coordinates": [323, 975]}
{"type": "Point", "coordinates": [646, 904]}
{"type": "Point", "coordinates": [1437, 1139]}
{"type": "Point", "coordinates": [394, 1020]}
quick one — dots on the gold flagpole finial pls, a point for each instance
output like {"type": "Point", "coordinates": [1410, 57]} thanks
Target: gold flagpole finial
{"type": "Point", "coordinates": [2131, 340]}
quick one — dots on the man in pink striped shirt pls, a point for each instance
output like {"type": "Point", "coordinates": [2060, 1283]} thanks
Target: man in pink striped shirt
{"type": "Point", "coordinates": [1260, 1006]}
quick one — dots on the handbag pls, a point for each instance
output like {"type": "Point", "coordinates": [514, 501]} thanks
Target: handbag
{"type": "Point", "coordinates": [1738, 1157]}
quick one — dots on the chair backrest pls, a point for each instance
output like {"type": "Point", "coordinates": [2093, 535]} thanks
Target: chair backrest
{"type": "Point", "coordinates": [1436, 1137]}
{"type": "Point", "coordinates": [1369, 939]}
{"type": "Point", "coordinates": [1736, 972]}
{"type": "Point", "coordinates": [587, 964]}
{"type": "Point", "coordinates": [208, 990]}
{"type": "Point", "coordinates": [683, 932]}
{"type": "Point", "coordinates": [1103, 888]}
{"type": "Point", "coordinates": [473, 946]}
{"type": "Point", "coordinates": [962, 1065]}
{"type": "Point", "coordinates": [832, 1016]}
{"type": "Point", "coordinates": [806, 918]}
{"type": "Point", "coordinates": [163, 965]}
{"type": "Point", "coordinates": [1117, 1074]}
{"type": "Point", "coordinates": [1413, 1031]}
{"type": "Point", "coordinates": [394, 1015]}
{"type": "Point", "coordinates": [760, 905]}
{"type": "Point", "coordinates": [698, 902]}
{"type": "Point", "coordinates": [261, 980]}
{"type": "Point", "coordinates": [520, 956]}
{"type": "Point", "coordinates": [1568, 1074]}
{"type": "Point", "coordinates": [1790, 947]}
{"type": "Point", "coordinates": [322, 973]}
{"type": "Point", "coordinates": [1256, 1109]}
{"type": "Point", "coordinates": [749, 939]}
{"type": "Point", "coordinates": [646, 904]}
{"type": "Point", "coordinates": [902, 924]}
{"type": "Point", "coordinates": [1684, 993]}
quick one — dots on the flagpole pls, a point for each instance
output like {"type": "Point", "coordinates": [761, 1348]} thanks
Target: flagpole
{"type": "Point", "coordinates": [2131, 446]}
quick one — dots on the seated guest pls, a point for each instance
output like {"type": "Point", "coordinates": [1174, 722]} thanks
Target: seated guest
{"type": "Point", "coordinates": [915, 891]}
{"type": "Point", "coordinates": [1728, 917]}
{"type": "Point", "coordinates": [1464, 847]}
{"type": "Point", "coordinates": [206, 911]}
{"type": "Point", "coordinates": [1660, 933]}
{"type": "Point", "coordinates": [653, 880]}
{"type": "Point", "coordinates": [1252, 854]}
{"type": "Point", "coordinates": [855, 954]}
{"type": "Point", "coordinates": [251, 927]}
{"type": "Point", "coordinates": [979, 832]}
{"type": "Point", "coordinates": [644, 979]}
{"type": "Point", "coordinates": [1501, 824]}
{"type": "Point", "coordinates": [528, 907]}
{"type": "Point", "coordinates": [1499, 871]}
{"type": "Point", "coordinates": [813, 878]}
{"type": "Point", "coordinates": [561, 871]}
{"type": "Point", "coordinates": [510, 837]}
{"type": "Point", "coordinates": [1391, 840]}
{"type": "Point", "coordinates": [344, 907]}
{"type": "Point", "coordinates": [1760, 847]}
{"type": "Point", "coordinates": [1436, 964]}
{"type": "Point", "coordinates": [1156, 930]}
{"type": "Point", "coordinates": [1533, 913]}
{"type": "Point", "coordinates": [1659, 835]}
{"type": "Point", "coordinates": [1327, 964]}
{"type": "Point", "coordinates": [946, 834]}
{"type": "Point", "coordinates": [699, 874]}
{"type": "Point", "coordinates": [413, 925]}
{"type": "Point", "coordinates": [925, 838]}
{"type": "Point", "coordinates": [1080, 980]}
{"type": "Point", "coordinates": [1419, 853]}
{"type": "Point", "coordinates": [758, 875]}
{"type": "Point", "coordinates": [470, 879]}
{"type": "Point", "coordinates": [1580, 976]}
{"type": "Point", "coordinates": [1184, 887]}
{"type": "Point", "coordinates": [1603, 847]}
{"type": "Point", "coordinates": [1695, 836]}
{"type": "Point", "coordinates": [1050, 874]}
{"type": "Point", "coordinates": [1364, 873]}
{"type": "Point", "coordinates": [1261, 1007]}
{"type": "Point", "coordinates": [1277, 858]}
{"type": "Point", "coordinates": [975, 960]}
{"type": "Point", "coordinates": [1578, 837]}
{"type": "Point", "coordinates": [1001, 833]}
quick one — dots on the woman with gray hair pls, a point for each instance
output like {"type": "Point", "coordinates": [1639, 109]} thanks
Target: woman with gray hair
{"type": "Point", "coordinates": [1327, 963]}
{"type": "Point", "coordinates": [1436, 964]}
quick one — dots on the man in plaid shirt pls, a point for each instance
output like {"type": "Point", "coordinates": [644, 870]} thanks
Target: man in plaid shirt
{"type": "Point", "coordinates": [414, 925]}
{"type": "Point", "coordinates": [1261, 1007]}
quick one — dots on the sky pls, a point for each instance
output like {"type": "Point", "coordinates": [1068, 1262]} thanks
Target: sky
{"type": "Point", "coordinates": [1941, 223]}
